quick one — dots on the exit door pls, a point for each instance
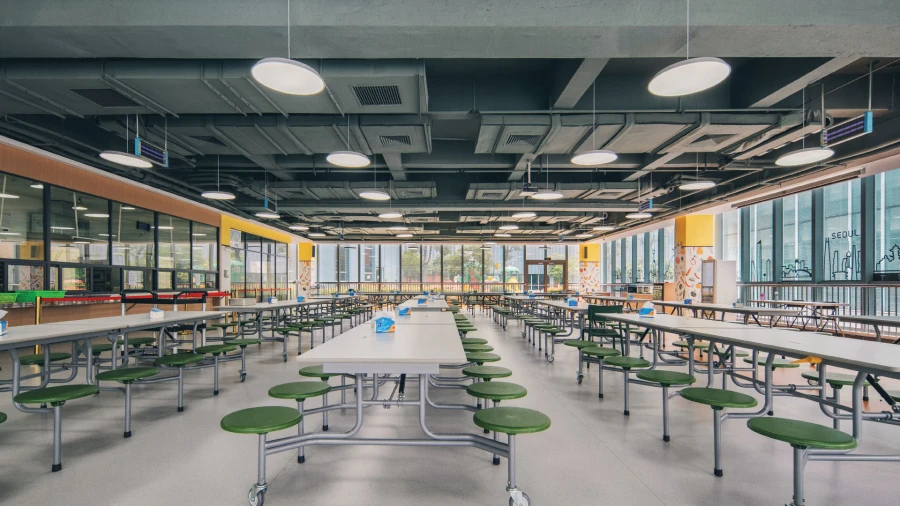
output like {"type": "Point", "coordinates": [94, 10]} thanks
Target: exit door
{"type": "Point", "coordinates": [546, 275]}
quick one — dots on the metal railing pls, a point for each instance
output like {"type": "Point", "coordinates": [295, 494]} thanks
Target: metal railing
{"type": "Point", "coordinates": [329, 288]}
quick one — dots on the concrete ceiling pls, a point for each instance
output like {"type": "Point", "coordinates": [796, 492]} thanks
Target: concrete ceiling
{"type": "Point", "coordinates": [472, 94]}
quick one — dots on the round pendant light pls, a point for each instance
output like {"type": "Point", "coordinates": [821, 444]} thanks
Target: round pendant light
{"type": "Point", "coordinates": [604, 228]}
{"type": "Point", "coordinates": [508, 227]}
{"type": "Point", "coordinates": [126, 159]}
{"type": "Point", "coordinates": [287, 76]}
{"type": "Point", "coordinates": [700, 184]}
{"type": "Point", "coordinates": [218, 195]}
{"type": "Point", "coordinates": [547, 195]}
{"type": "Point", "coordinates": [499, 234]}
{"type": "Point", "coordinates": [349, 159]}
{"type": "Point", "coordinates": [689, 76]}
{"type": "Point", "coordinates": [638, 216]}
{"type": "Point", "coordinates": [524, 214]}
{"type": "Point", "coordinates": [374, 195]}
{"type": "Point", "coordinates": [266, 214]}
{"type": "Point", "coordinates": [315, 234]}
{"type": "Point", "coordinates": [390, 215]}
{"type": "Point", "coordinates": [298, 227]}
{"type": "Point", "coordinates": [804, 157]}
{"type": "Point", "coordinates": [594, 157]}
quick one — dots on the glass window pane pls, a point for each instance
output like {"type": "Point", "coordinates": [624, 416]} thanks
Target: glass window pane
{"type": "Point", "coordinates": [535, 252]}
{"type": "Point", "coordinates": [132, 236]}
{"type": "Point", "coordinates": [21, 219]}
{"type": "Point", "coordinates": [629, 267]}
{"type": "Point", "coordinates": [79, 228]}
{"type": "Point", "coordinates": [326, 260]}
{"type": "Point", "coordinates": [24, 277]}
{"type": "Point", "coordinates": [135, 280]}
{"type": "Point", "coordinates": [205, 247]}
{"type": "Point", "coordinates": [431, 262]}
{"type": "Point", "coordinates": [281, 278]}
{"type": "Point", "coordinates": [472, 267]}
{"type": "Point", "coordinates": [616, 268]}
{"type": "Point", "coordinates": [390, 263]}
{"type": "Point", "coordinates": [74, 279]}
{"type": "Point", "coordinates": [369, 272]}
{"type": "Point", "coordinates": [198, 280]}
{"type": "Point", "coordinates": [174, 243]}
{"type": "Point", "coordinates": [761, 242]}
{"type": "Point", "coordinates": [797, 237]}
{"type": "Point", "coordinates": [887, 221]}
{"type": "Point", "coordinates": [182, 280]}
{"type": "Point", "coordinates": [653, 261]}
{"type": "Point", "coordinates": [164, 280]}
{"type": "Point", "coordinates": [411, 267]}
{"type": "Point", "coordinates": [254, 274]}
{"type": "Point", "coordinates": [841, 236]}
{"type": "Point", "coordinates": [493, 269]}
{"type": "Point", "coordinates": [639, 251]}
{"type": "Point", "coordinates": [574, 281]}
{"type": "Point", "coordinates": [669, 268]}
{"type": "Point", "coordinates": [515, 268]}
{"type": "Point", "coordinates": [556, 277]}
{"type": "Point", "coordinates": [731, 238]}
{"type": "Point", "coordinates": [349, 263]}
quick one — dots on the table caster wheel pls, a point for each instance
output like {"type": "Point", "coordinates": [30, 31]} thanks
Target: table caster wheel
{"type": "Point", "coordinates": [256, 497]}
{"type": "Point", "coordinates": [579, 379]}
{"type": "Point", "coordinates": [243, 376]}
{"type": "Point", "coordinates": [525, 501]}
{"type": "Point", "coordinates": [284, 357]}
{"type": "Point", "coordinates": [551, 357]}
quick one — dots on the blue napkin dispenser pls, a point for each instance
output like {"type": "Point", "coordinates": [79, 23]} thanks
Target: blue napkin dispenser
{"type": "Point", "coordinates": [404, 311]}
{"type": "Point", "coordinates": [301, 298]}
{"type": "Point", "coordinates": [688, 301]}
{"type": "Point", "coordinates": [573, 303]}
{"type": "Point", "coordinates": [384, 325]}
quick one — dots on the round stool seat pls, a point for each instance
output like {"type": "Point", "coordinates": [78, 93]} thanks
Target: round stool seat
{"type": "Point", "coordinates": [303, 325]}
{"type": "Point", "coordinates": [480, 358]}
{"type": "Point", "coordinates": [477, 348]}
{"type": "Point", "coordinates": [487, 372]}
{"type": "Point", "coordinates": [101, 347]}
{"type": "Point", "coordinates": [243, 342]}
{"type": "Point", "coordinates": [179, 359]}
{"type": "Point", "coordinates": [299, 390]}
{"type": "Point", "coordinates": [261, 420]}
{"type": "Point", "coordinates": [473, 340]}
{"type": "Point", "coordinates": [600, 351]}
{"type": "Point", "coordinates": [778, 363]}
{"type": "Point", "coordinates": [496, 390]}
{"type": "Point", "coordinates": [579, 343]}
{"type": "Point", "coordinates": [552, 330]}
{"type": "Point", "coordinates": [222, 325]}
{"type": "Point", "coordinates": [627, 362]}
{"type": "Point", "coordinates": [667, 378]}
{"type": "Point", "coordinates": [127, 374]}
{"type": "Point", "coordinates": [511, 420]}
{"type": "Point", "coordinates": [835, 379]}
{"type": "Point", "coordinates": [697, 345]}
{"type": "Point", "coordinates": [315, 371]}
{"type": "Point", "coordinates": [215, 349]}
{"type": "Point", "coordinates": [284, 330]}
{"type": "Point", "coordinates": [718, 399]}
{"type": "Point", "coordinates": [136, 341]}
{"type": "Point", "coordinates": [2, 417]}
{"type": "Point", "coordinates": [801, 434]}
{"type": "Point", "coordinates": [56, 396]}
{"type": "Point", "coordinates": [38, 359]}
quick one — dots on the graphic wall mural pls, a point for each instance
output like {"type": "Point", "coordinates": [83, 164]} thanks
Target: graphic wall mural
{"type": "Point", "coordinates": [590, 277]}
{"type": "Point", "coordinates": [687, 270]}
{"type": "Point", "coordinates": [304, 277]}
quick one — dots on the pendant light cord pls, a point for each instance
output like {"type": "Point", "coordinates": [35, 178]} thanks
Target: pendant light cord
{"type": "Point", "coordinates": [217, 172]}
{"type": "Point", "coordinates": [594, 120]}
{"type": "Point", "coordinates": [289, 28]}
{"type": "Point", "coordinates": [688, 30]}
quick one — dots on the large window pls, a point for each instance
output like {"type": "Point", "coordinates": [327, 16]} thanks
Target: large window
{"type": "Point", "coordinates": [616, 273]}
{"type": "Point", "coordinates": [797, 237]}
{"type": "Point", "coordinates": [132, 236]}
{"type": "Point", "coordinates": [390, 263]}
{"type": "Point", "coordinates": [472, 267]}
{"type": "Point", "coordinates": [174, 243]}
{"type": "Point", "coordinates": [731, 238]}
{"type": "Point", "coordinates": [21, 220]}
{"type": "Point", "coordinates": [761, 243]}
{"type": "Point", "coordinates": [493, 268]}
{"type": "Point", "coordinates": [515, 266]}
{"type": "Point", "coordinates": [573, 268]}
{"type": "Point", "coordinates": [369, 254]}
{"type": "Point", "coordinates": [348, 263]}
{"type": "Point", "coordinates": [841, 231]}
{"type": "Point", "coordinates": [327, 262]}
{"type": "Point", "coordinates": [639, 263]}
{"type": "Point", "coordinates": [79, 230]}
{"type": "Point", "coordinates": [629, 266]}
{"type": "Point", "coordinates": [411, 266]}
{"type": "Point", "coordinates": [653, 261]}
{"type": "Point", "coordinates": [887, 222]}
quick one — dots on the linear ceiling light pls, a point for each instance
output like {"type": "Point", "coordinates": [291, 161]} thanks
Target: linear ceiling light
{"type": "Point", "coordinates": [404, 235]}
{"type": "Point", "coordinates": [266, 214]}
{"type": "Point", "coordinates": [604, 228]}
{"type": "Point", "coordinates": [547, 195]}
{"type": "Point", "coordinates": [584, 235]}
{"type": "Point", "coordinates": [524, 214]}
{"type": "Point", "coordinates": [390, 215]}
{"type": "Point", "coordinates": [499, 234]}
{"type": "Point", "coordinates": [638, 216]}
{"type": "Point", "coordinates": [510, 226]}
{"type": "Point", "coordinates": [315, 234]}
{"type": "Point", "coordinates": [700, 184]}
{"type": "Point", "coordinates": [398, 227]}
{"type": "Point", "coordinates": [298, 227]}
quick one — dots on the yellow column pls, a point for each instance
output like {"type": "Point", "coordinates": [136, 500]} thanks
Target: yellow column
{"type": "Point", "coordinates": [693, 244]}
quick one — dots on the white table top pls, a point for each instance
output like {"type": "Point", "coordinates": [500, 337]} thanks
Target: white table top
{"type": "Point", "coordinates": [410, 349]}
{"type": "Point", "coordinates": [558, 304]}
{"type": "Point", "coordinates": [523, 297]}
{"type": "Point", "coordinates": [426, 318]}
{"type": "Point", "coordinates": [765, 311]}
{"type": "Point", "coordinates": [855, 354]}
{"type": "Point", "coordinates": [266, 306]}
{"type": "Point", "coordinates": [29, 335]}
{"type": "Point", "coordinates": [429, 305]}
{"type": "Point", "coordinates": [881, 320]}
{"type": "Point", "coordinates": [800, 303]}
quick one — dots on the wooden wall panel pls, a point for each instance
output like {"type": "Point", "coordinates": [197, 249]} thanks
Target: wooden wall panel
{"type": "Point", "coordinates": [34, 166]}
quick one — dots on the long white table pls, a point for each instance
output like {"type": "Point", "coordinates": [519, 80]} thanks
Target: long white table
{"type": "Point", "coordinates": [426, 318]}
{"type": "Point", "coordinates": [429, 305]}
{"type": "Point", "coordinates": [817, 310]}
{"type": "Point", "coordinates": [700, 309]}
{"type": "Point", "coordinates": [877, 323]}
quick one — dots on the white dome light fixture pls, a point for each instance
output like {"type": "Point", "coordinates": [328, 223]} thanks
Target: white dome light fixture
{"type": "Point", "coordinates": [348, 159]}
{"type": "Point", "coordinates": [287, 76]}
{"type": "Point", "coordinates": [804, 157]}
{"type": "Point", "coordinates": [298, 227]}
{"type": "Point", "coordinates": [508, 227]}
{"type": "Point", "coordinates": [315, 234]}
{"type": "Point", "coordinates": [700, 184]}
{"type": "Point", "coordinates": [404, 235]}
{"type": "Point", "coordinates": [374, 195]}
{"type": "Point", "coordinates": [398, 227]}
{"type": "Point", "coordinates": [524, 214]}
{"type": "Point", "coordinates": [267, 215]}
{"type": "Point", "coordinates": [692, 75]}
{"type": "Point", "coordinates": [594, 157]}
{"type": "Point", "coordinates": [392, 215]}
{"type": "Point", "coordinates": [126, 159]}
{"type": "Point", "coordinates": [638, 216]}
{"type": "Point", "coordinates": [499, 234]}
{"type": "Point", "coordinates": [584, 236]}
{"type": "Point", "coordinates": [604, 228]}
{"type": "Point", "coordinates": [547, 195]}
{"type": "Point", "coordinates": [217, 194]}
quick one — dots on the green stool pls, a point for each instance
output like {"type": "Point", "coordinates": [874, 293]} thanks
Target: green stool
{"type": "Point", "coordinates": [55, 397]}
{"type": "Point", "coordinates": [801, 436]}
{"type": "Point", "coordinates": [260, 421]}
{"type": "Point", "coordinates": [299, 391]}
{"type": "Point", "coordinates": [486, 372]}
{"type": "Point", "coordinates": [481, 358]}
{"type": "Point", "coordinates": [38, 359]}
{"type": "Point", "coordinates": [127, 376]}
{"type": "Point", "coordinates": [719, 400]}
{"type": "Point", "coordinates": [496, 391]}
{"type": "Point", "coordinates": [778, 363]}
{"type": "Point", "coordinates": [626, 364]}
{"type": "Point", "coordinates": [136, 342]}
{"type": "Point", "coordinates": [473, 340]}
{"type": "Point", "coordinates": [2, 417]}
{"type": "Point", "coordinates": [477, 348]}
{"type": "Point", "coordinates": [836, 380]}
{"type": "Point", "coordinates": [97, 349]}
{"type": "Point", "coordinates": [215, 350]}
{"type": "Point", "coordinates": [315, 371]}
{"type": "Point", "coordinates": [243, 343]}
{"type": "Point", "coordinates": [178, 361]}
{"type": "Point", "coordinates": [600, 353]}
{"type": "Point", "coordinates": [666, 379]}
{"type": "Point", "coordinates": [512, 422]}
{"type": "Point", "coordinates": [580, 344]}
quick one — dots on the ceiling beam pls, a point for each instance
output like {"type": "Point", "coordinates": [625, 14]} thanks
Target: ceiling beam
{"type": "Point", "coordinates": [766, 82]}
{"type": "Point", "coordinates": [437, 205]}
{"type": "Point", "coordinates": [572, 82]}
{"type": "Point", "coordinates": [522, 163]}
{"type": "Point", "coordinates": [394, 162]}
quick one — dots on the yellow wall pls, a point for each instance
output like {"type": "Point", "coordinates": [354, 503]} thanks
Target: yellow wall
{"type": "Point", "coordinates": [589, 252]}
{"type": "Point", "coordinates": [694, 230]}
{"type": "Point", "coordinates": [229, 224]}
{"type": "Point", "coordinates": [305, 251]}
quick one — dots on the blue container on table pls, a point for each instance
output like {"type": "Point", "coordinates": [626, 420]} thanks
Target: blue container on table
{"type": "Point", "coordinates": [384, 325]}
{"type": "Point", "coordinates": [300, 298]}
{"type": "Point", "coordinates": [688, 301]}
{"type": "Point", "coordinates": [404, 311]}
{"type": "Point", "coordinates": [421, 301]}
{"type": "Point", "coordinates": [573, 303]}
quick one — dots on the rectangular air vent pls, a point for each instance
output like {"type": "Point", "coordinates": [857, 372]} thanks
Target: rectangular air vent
{"type": "Point", "coordinates": [374, 96]}
{"type": "Point", "coordinates": [105, 97]}
{"type": "Point", "coordinates": [388, 141]}
{"type": "Point", "coordinates": [523, 140]}
{"type": "Point", "coordinates": [208, 139]}
{"type": "Point", "coordinates": [711, 141]}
